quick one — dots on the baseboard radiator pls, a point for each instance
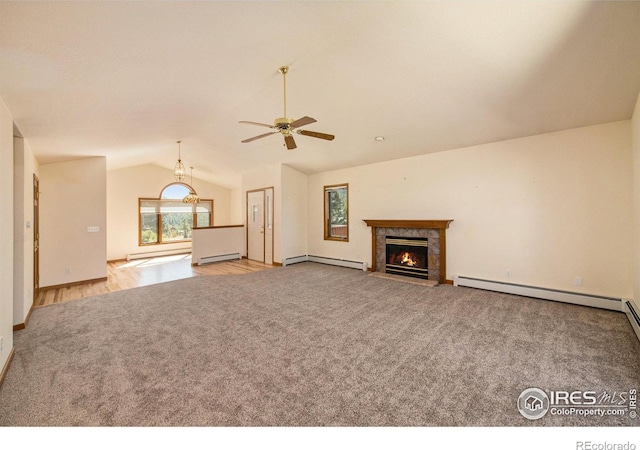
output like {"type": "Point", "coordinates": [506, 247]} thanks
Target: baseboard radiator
{"type": "Point", "coordinates": [596, 301]}
{"type": "Point", "coordinates": [141, 255]}
{"type": "Point", "coordinates": [294, 260]}
{"type": "Point", "coordinates": [324, 260]}
{"type": "Point", "coordinates": [633, 314]}
{"type": "Point", "coordinates": [217, 258]}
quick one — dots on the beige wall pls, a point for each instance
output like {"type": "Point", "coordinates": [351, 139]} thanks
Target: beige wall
{"type": "Point", "coordinates": [25, 166]}
{"type": "Point", "coordinates": [19, 232]}
{"type": "Point", "coordinates": [635, 138]}
{"type": "Point", "coordinates": [549, 208]}
{"type": "Point", "coordinates": [126, 186]}
{"type": "Point", "coordinates": [73, 197]}
{"type": "Point", "coordinates": [294, 213]}
{"type": "Point", "coordinates": [6, 231]}
{"type": "Point", "coordinates": [236, 212]}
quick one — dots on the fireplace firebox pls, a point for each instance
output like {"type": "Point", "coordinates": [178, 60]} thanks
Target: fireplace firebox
{"type": "Point", "coordinates": [407, 256]}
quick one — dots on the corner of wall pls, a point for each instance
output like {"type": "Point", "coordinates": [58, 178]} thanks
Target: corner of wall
{"type": "Point", "coordinates": [635, 145]}
{"type": "Point", "coordinates": [295, 212]}
{"type": "Point", "coordinates": [6, 230]}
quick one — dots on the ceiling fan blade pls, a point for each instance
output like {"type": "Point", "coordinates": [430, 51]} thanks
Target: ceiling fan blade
{"type": "Point", "coordinates": [256, 123]}
{"type": "Point", "coordinates": [302, 122]}
{"type": "Point", "coordinates": [291, 144]}
{"type": "Point", "coordinates": [315, 134]}
{"type": "Point", "coordinates": [258, 137]}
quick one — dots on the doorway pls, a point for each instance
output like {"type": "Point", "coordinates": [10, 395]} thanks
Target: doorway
{"type": "Point", "coordinates": [260, 225]}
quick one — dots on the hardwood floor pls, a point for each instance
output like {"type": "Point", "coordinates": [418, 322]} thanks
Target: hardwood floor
{"type": "Point", "coordinates": [143, 272]}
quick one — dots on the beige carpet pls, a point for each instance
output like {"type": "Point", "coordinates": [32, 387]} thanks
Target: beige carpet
{"type": "Point", "coordinates": [310, 345]}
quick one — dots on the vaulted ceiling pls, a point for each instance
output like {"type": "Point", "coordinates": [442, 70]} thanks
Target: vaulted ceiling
{"type": "Point", "coordinates": [126, 80]}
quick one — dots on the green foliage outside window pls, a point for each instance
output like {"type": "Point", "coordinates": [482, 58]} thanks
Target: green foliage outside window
{"type": "Point", "coordinates": [176, 226]}
{"type": "Point", "coordinates": [336, 212]}
{"type": "Point", "coordinates": [149, 228]}
{"type": "Point", "coordinates": [338, 206]}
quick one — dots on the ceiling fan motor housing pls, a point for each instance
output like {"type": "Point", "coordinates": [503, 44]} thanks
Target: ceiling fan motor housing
{"type": "Point", "coordinates": [282, 122]}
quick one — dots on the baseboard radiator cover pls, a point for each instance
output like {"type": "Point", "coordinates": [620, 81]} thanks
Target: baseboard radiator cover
{"type": "Point", "coordinates": [294, 260]}
{"type": "Point", "coordinates": [633, 314]}
{"type": "Point", "coordinates": [325, 260]}
{"type": "Point", "coordinates": [216, 258]}
{"type": "Point", "coordinates": [142, 255]}
{"type": "Point", "coordinates": [576, 298]}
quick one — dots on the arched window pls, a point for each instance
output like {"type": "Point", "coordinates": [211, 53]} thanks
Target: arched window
{"type": "Point", "coordinates": [176, 191]}
{"type": "Point", "coordinates": [168, 219]}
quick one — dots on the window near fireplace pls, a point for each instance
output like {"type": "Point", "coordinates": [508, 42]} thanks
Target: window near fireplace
{"type": "Point", "coordinates": [336, 212]}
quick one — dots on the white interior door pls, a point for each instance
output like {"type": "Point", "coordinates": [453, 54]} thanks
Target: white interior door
{"type": "Point", "coordinates": [255, 226]}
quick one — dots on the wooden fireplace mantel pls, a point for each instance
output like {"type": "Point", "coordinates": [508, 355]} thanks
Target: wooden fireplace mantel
{"type": "Point", "coordinates": [435, 224]}
{"type": "Point", "coordinates": [440, 225]}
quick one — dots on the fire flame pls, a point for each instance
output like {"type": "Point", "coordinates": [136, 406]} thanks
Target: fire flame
{"type": "Point", "coordinates": [407, 260]}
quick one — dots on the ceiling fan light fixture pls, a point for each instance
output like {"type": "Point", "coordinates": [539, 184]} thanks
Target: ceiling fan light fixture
{"type": "Point", "coordinates": [191, 197]}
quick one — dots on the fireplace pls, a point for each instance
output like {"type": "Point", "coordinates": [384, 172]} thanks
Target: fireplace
{"type": "Point", "coordinates": [432, 232]}
{"type": "Point", "coordinates": [407, 256]}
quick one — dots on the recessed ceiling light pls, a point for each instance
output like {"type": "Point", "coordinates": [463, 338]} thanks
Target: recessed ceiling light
{"type": "Point", "coordinates": [379, 138]}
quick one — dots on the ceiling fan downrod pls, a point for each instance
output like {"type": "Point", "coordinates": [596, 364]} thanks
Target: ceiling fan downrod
{"type": "Point", "coordinates": [283, 70]}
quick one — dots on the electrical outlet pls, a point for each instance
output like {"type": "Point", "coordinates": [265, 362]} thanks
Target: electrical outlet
{"type": "Point", "coordinates": [0, 343]}
{"type": "Point", "coordinates": [67, 271]}
{"type": "Point", "coordinates": [578, 281]}
{"type": "Point", "coordinates": [508, 273]}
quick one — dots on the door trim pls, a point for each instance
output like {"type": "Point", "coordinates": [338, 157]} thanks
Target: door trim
{"type": "Point", "coordinates": [36, 237]}
{"type": "Point", "coordinates": [264, 212]}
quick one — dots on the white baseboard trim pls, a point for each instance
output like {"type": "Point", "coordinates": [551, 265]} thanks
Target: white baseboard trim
{"type": "Point", "coordinates": [324, 260]}
{"type": "Point", "coordinates": [576, 298]}
{"type": "Point", "coordinates": [217, 258]}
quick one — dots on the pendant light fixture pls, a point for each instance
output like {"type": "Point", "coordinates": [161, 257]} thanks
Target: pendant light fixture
{"type": "Point", "coordinates": [192, 197]}
{"type": "Point", "coordinates": [179, 171]}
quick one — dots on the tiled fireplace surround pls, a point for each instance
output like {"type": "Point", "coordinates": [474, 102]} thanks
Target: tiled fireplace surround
{"type": "Point", "coordinates": [433, 230]}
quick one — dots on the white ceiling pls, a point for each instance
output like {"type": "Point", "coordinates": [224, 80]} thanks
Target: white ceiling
{"type": "Point", "coordinates": [129, 79]}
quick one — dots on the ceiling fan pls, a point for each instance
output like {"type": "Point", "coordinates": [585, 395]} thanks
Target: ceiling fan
{"type": "Point", "coordinates": [287, 126]}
